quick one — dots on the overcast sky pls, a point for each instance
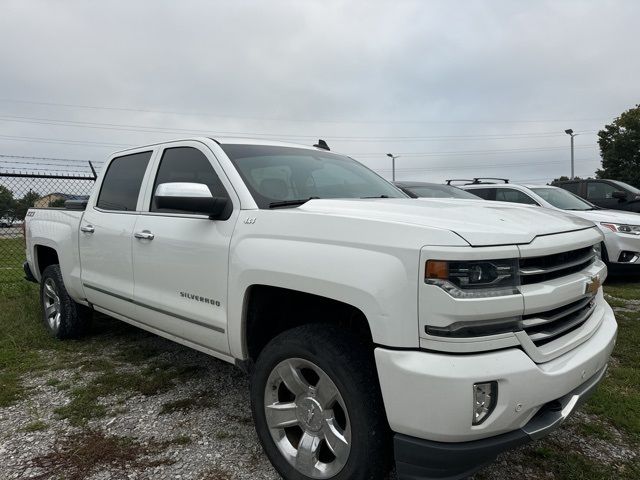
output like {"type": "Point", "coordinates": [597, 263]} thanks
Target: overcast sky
{"type": "Point", "coordinates": [457, 89]}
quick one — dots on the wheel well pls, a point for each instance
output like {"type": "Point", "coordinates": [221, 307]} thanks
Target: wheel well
{"type": "Point", "coordinates": [45, 256]}
{"type": "Point", "coordinates": [272, 310]}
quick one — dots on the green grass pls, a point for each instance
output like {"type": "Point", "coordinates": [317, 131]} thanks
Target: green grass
{"type": "Point", "coordinates": [568, 465]}
{"type": "Point", "coordinates": [628, 291]}
{"type": "Point", "coordinates": [11, 257]}
{"type": "Point", "coordinates": [155, 378]}
{"type": "Point", "coordinates": [35, 426]}
{"type": "Point", "coordinates": [618, 397]}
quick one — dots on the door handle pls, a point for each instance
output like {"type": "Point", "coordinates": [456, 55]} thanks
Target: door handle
{"type": "Point", "coordinates": [144, 235]}
{"type": "Point", "coordinates": [87, 229]}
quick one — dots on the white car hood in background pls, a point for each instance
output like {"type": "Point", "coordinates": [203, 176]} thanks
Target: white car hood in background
{"type": "Point", "coordinates": [608, 216]}
{"type": "Point", "coordinates": [479, 222]}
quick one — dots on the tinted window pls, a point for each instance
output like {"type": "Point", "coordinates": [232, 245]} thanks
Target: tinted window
{"type": "Point", "coordinates": [486, 193]}
{"type": "Point", "coordinates": [560, 198]}
{"type": "Point", "coordinates": [273, 174]}
{"type": "Point", "coordinates": [625, 186]}
{"type": "Point", "coordinates": [571, 187]}
{"type": "Point", "coordinates": [186, 164]}
{"type": "Point", "coordinates": [513, 196]}
{"type": "Point", "coordinates": [440, 191]}
{"type": "Point", "coordinates": [600, 190]}
{"type": "Point", "coordinates": [121, 184]}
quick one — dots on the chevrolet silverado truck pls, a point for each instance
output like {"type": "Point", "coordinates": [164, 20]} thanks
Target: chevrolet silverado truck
{"type": "Point", "coordinates": [376, 328]}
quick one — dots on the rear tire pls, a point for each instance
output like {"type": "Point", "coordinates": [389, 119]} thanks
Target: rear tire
{"type": "Point", "coordinates": [62, 316]}
{"type": "Point", "coordinates": [317, 406]}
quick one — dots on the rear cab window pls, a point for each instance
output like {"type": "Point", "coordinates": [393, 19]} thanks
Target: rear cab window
{"type": "Point", "coordinates": [121, 184]}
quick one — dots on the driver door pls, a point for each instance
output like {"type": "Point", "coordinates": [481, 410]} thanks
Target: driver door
{"type": "Point", "coordinates": [180, 259]}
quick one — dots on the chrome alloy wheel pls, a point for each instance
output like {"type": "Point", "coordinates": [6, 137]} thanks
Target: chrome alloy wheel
{"type": "Point", "coordinates": [51, 301]}
{"type": "Point", "coordinates": [307, 418]}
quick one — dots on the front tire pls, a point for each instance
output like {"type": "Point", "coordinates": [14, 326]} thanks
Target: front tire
{"type": "Point", "coordinates": [62, 316]}
{"type": "Point", "coordinates": [317, 406]}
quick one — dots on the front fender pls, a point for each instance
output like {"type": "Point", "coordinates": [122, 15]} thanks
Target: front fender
{"type": "Point", "coordinates": [380, 282]}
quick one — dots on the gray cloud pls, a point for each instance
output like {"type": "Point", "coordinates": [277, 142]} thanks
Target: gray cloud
{"type": "Point", "coordinates": [481, 72]}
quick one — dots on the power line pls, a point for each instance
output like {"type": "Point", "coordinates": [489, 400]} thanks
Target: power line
{"type": "Point", "coordinates": [62, 141]}
{"type": "Point", "coordinates": [272, 119]}
{"type": "Point", "coordinates": [3, 155]}
{"type": "Point", "coordinates": [175, 130]}
{"type": "Point", "coordinates": [469, 152]}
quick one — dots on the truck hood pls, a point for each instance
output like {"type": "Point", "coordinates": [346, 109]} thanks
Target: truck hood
{"type": "Point", "coordinates": [479, 222]}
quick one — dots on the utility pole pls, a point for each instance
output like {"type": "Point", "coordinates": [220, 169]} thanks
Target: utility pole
{"type": "Point", "coordinates": [570, 132]}
{"type": "Point", "coordinates": [393, 165]}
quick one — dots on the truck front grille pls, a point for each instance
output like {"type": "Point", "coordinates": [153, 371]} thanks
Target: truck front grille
{"type": "Point", "coordinates": [548, 267]}
{"type": "Point", "coordinates": [544, 327]}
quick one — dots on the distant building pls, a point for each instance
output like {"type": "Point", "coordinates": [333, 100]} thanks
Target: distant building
{"type": "Point", "coordinates": [56, 199]}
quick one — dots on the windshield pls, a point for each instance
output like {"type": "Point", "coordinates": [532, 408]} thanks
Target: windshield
{"type": "Point", "coordinates": [280, 174]}
{"type": "Point", "coordinates": [562, 199]}
{"type": "Point", "coordinates": [440, 191]}
{"type": "Point", "coordinates": [626, 186]}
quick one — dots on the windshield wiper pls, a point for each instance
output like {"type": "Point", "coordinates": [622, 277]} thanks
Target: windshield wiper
{"type": "Point", "coordinates": [291, 203]}
{"type": "Point", "coordinates": [378, 196]}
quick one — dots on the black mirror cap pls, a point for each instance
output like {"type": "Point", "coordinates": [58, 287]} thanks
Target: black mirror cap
{"type": "Point", "coordinates": [619, 195]}
{"type": "Point", "coordinates": [217, 208]}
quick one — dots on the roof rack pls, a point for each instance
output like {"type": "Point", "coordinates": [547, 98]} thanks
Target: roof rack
{"type": "Point", "coordinates": [460, 180]}
{"type": "Point", "coordinates": [479, 179]}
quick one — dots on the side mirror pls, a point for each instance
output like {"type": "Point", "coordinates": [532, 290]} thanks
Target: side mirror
{"type": "Point", "coordinates": [190, 198]}
{"type": "Point", "coordinates": [619, 195]}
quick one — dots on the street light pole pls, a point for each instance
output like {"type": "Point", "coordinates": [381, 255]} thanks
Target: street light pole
{"type": "Point", "coordinates": [393, 165]}
{"type": "Point", "coordinates": [570, 132]}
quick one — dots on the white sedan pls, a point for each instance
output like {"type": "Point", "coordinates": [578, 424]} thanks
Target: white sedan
{"type": "Point", "coordinates": [621, 229]}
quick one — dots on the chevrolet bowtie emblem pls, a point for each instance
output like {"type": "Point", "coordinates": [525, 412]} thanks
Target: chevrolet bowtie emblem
{"type": "Point", "coordinates": [593, 285]}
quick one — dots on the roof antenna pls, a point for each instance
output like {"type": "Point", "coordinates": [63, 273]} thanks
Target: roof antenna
{"type": "Point", "coordinates": [322, 144]}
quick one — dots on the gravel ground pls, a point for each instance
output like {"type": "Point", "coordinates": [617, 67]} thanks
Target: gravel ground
{"type": "Point", "coordinates": [196, 427]}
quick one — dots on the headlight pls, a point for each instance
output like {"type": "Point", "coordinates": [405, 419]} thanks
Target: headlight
{"type": "Point", "coordinates": [474, 278]}
{"type": "Point", "coordinates": [622, 228]}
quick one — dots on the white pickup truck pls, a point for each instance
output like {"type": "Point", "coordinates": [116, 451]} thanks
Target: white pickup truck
{"type": "Point", "coordinates": [374, 327]}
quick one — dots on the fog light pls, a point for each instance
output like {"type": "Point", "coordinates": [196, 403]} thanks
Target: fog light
{"type": "Point", "coordinates": [485, 396]}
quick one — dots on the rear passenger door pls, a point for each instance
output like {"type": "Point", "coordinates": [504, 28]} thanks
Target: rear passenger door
{"type": "Point", "coordinates": [181, 272]}
{"type": "Point", "coordinates": [106, 231]}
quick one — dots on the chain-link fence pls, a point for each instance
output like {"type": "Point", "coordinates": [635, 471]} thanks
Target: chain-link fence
{"type": "Point", "coordinates": [20, 191]}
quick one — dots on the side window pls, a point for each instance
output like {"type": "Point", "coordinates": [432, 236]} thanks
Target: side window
{"type": "Point", "coordinates": [121, 184]}
{"type": "Point", "coordinates": [486, 193]}
{"type": "Point", "coordinates": [513, 196]}
{"type": "Point", "coordinates": [600, 190]}
{"type": "Point", "coordinates": [186, 164]}
{"type": "Point", "coordinates": [571, 187]}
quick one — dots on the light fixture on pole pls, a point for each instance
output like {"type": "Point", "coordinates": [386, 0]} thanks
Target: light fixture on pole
{"type": "Point", "coordinates": [393, 165]}
{"type": "Point", "coordinates": [569, 131]}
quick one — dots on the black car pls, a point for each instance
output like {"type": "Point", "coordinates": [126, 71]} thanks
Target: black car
{"type": "Point", "coordinates": [610, 194]}
{"type": "Point", "coordinates": [433, 190]}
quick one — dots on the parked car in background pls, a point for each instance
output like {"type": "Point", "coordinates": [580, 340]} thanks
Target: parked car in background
{"type": "Point", "coordinates": [5, 222]}
{"type": "Point", "coordinates": [433, 190]}
{"type": "Point", "coordinates": [621, 229]}
{"type": "Point", "coordinates": [610, 194]}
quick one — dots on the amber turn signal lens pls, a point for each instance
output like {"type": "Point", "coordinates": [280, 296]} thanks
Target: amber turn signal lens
{"type": "Point", "coordinates": [437, 269]}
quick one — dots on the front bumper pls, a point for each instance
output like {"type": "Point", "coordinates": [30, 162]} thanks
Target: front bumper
{"type": "Point", "coordinates": [429, 394]}
{"type": "Point", "coordinates": [616, 243]}
{"type": "Point", "coordinates": [418, 459]}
